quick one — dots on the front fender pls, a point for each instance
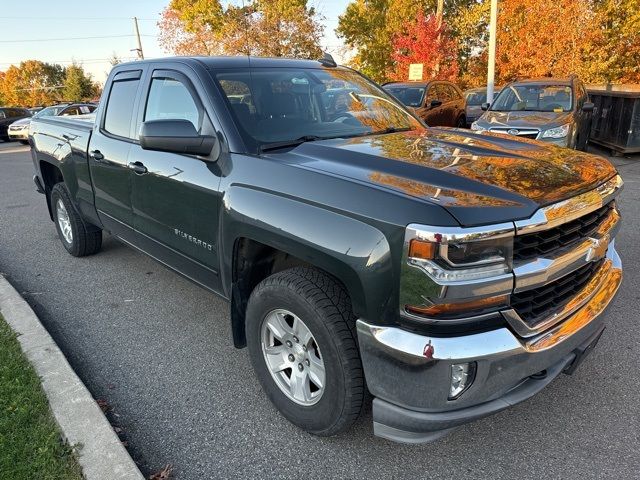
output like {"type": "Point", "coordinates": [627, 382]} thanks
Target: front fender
{"type": "Point", "coordinates": [355, 252]}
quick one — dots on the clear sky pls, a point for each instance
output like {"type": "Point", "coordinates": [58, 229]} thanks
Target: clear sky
{"type": "Point", "coordinates": [45, 30]}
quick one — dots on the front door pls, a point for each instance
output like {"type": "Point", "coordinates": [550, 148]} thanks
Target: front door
{"type": "Point", "coordinates": [175, 197]}
{"type": "Point", "coordinates": [433, 115]}
{"type": "Point", "coordinates": [109, 148]}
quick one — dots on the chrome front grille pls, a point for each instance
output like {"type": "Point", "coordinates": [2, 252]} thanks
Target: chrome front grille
{"type": "Point", "coordinates": [520, 132]}
{"type": "Point", "coordinates": [535, 305]}
{"type": "Point", "coordinates": [545, 242]}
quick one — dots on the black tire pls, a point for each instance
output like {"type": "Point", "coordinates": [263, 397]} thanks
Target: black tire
{"type": "Point", "coordinates": [86, 239]}
{"type": "Point", "coordinates": [24, 142]}
{"type": "Point", "coordinates": [461, 122]}
{"type": "Point", "coordinates": [326, 309]}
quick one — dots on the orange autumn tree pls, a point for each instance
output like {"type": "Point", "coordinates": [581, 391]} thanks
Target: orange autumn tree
{"type": "Point", "coordinates": [426, 40]}
{"type": "Point", "coordinates": [537, 38]}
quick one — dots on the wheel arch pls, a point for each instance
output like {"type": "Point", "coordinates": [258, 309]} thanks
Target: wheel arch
{"type": "Point", "coordinates": [51, 174]}
{"type": "Point", "coordinates": [295, 233]}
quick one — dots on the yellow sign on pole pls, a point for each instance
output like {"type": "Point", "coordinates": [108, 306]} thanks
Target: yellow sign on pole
{"type": "Point", "coordinates": [415, 71]}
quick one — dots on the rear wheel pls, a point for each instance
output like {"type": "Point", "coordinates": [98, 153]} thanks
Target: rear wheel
{"type": "Point", "coordinates": [79, 238]}
{"type": "Point", "coordinates": [461, 122]}
{"type": "Point", "coordinates": [302, 343]}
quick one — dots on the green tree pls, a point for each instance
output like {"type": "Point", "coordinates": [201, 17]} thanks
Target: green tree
{"type": "Point", "coordinates": [369, 26]}
{"type": "Point", "coordinates": [77, 84]}
{"type": "Point", "coordinates": [616, 56]}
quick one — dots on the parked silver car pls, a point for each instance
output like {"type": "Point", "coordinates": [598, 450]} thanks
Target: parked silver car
{"type": "Point", "coordinates": [553, 110]}
{"type": "Point", "coordinates": [475, 97]}
{"type": "Point", "coordinates": [19, 130]}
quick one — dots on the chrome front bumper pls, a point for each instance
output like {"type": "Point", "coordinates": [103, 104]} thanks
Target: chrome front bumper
{"type": "Point", "coordinates": [410, 374]}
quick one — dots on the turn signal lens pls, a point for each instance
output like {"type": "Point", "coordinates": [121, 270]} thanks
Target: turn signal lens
{"type": "Point", "coordinates": [451, 308]}
{"type": "Point", "coordinates": [422, 249]}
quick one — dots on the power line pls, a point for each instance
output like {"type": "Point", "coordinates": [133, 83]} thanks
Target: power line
{"type": "Point", "coordinates": [78, 18]}
{"type": "Point", "coordinates": [79, 61]}
{"type": "Point", "coordinates": [69, 38]}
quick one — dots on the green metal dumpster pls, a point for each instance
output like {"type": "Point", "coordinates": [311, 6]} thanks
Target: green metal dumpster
{"type": "Point", "coordinates": [616, 118]}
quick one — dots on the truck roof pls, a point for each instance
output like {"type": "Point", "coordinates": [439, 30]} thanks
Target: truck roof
{"type": "Point", "coordinates": [234, 62]}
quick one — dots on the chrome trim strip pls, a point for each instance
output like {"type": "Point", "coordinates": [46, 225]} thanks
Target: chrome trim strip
{"type": "Point", "coordinates": [521, 131]}
{"type": "Point", "coordinates": [584, 314]}
{"type": "Point", "coordinates": [542, 270]}
{"type": "Point", "coordinates": [455, 289]}
{"type": "Point", "coordinates": [577, 302]}
{"type": "Point", "coordinates": [570, 209]}
{"type": "Point", "coordinates": [445, 235]}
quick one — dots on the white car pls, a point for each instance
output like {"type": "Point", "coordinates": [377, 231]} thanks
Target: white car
{"type": "Point", "coordinates": [19, 130]}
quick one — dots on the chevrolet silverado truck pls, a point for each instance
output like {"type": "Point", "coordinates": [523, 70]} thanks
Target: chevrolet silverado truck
{"type": "Point", "coordinates": [448, 273]}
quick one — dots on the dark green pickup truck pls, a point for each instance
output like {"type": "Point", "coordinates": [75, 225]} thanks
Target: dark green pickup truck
{"type": "Point", "coordinates": [449, 273]}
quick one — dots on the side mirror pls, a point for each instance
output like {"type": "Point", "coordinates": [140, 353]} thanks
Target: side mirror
{"type": "Point", "coordinates": [588, 107]}
{"type": "Point", "coordinates": [177, 136]}
{"type": "Point", "coordinates": [435, 103]}
{"type": "Point", "coordinates": [485, 106]}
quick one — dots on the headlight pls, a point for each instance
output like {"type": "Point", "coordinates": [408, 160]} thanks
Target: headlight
{"type": "Point", "coordinates": [557, 132]}
{"type": "Point", "coordinates": [450, 272]}
{"type": "Point", "coordinates": [463, 254]}
{"type": "Point", "coordinates": [476, 127]}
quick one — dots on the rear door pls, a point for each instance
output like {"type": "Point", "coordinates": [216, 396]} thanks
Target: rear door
{"type": "Point", "coordinates": [109, 149]}
{"type": "Point", "coordinates": [449, 105]}
{"type": "Point", "coordinates": [176, 202]}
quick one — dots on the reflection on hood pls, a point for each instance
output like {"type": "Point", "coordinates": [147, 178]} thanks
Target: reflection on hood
{"type": "Point", "coordinates": [461, 170]}
{"type": "Point", "coordinates": [525, 119]}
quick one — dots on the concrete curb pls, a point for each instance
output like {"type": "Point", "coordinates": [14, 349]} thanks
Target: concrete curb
{"type": "Point", "coordinates": [101, 454]}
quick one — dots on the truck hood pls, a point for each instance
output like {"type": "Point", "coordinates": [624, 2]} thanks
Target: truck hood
{"type": "Point", "coordinates": [519, 119]}
{"type": "Point", "coordinates": [479, 178]}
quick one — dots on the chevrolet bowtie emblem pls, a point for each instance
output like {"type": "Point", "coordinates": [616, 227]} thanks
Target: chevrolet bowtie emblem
{"type": "Point", "coordinates": [599, 248]}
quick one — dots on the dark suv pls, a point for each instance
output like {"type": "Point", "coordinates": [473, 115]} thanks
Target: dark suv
{"type": "Point", "coordinates": [7, 117]}
{"type": "Point", "coordinates": [554, 110]}
{"type": "Point", "coordinates": [438, 103]}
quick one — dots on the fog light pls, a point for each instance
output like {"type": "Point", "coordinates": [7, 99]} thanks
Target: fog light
{"type": "Point", "coordinates": [462, 376]}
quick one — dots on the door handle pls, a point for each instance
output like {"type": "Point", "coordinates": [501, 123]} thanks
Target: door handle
{"type": "Point", "coordinates": [138, 168]}
{"type": "Point", "coordinates": [96, 155]}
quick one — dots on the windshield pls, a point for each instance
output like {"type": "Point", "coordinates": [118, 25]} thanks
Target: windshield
{"type": "Point", "coordinates": [534, 98]}
{"type": "Point", "coordinates": [410, 96]}
{"type": "Point", "coordinates": [48, 112]}
{"type": "Point", "coordinates": [286, 104]}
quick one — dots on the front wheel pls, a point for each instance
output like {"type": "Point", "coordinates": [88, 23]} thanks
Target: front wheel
{"type": "Point", "coordinates": [302, 343]}
{"type": "Point", "coordinates": [78, 238]}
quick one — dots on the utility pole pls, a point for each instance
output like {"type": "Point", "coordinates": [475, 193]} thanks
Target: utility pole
{"type": "Point", "coordinates": [139, 49]}
{"type": "Point", "coordinates": [491, 71]}
{"type": "Point", "coordinates": [439, 13]}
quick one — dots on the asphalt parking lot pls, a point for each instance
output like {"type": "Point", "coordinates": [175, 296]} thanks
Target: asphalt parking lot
{"type": "Point", "coordinates": [158, 350]}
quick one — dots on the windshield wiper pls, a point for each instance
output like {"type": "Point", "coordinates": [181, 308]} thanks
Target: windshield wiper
{"type": "Point", "coordinates": [291, 143]}
{"type": "Point", "coordinates": [383, 131]}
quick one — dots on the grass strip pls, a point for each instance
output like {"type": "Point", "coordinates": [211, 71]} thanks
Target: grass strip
{"type": "Point", "coordinates": [31, 445]}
